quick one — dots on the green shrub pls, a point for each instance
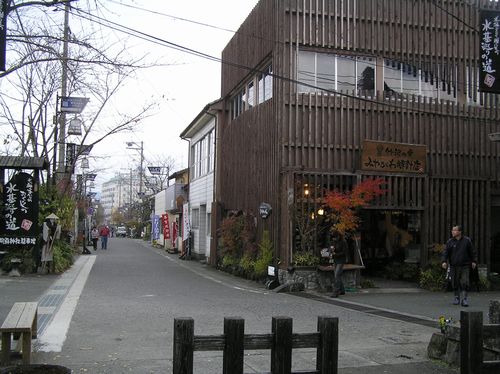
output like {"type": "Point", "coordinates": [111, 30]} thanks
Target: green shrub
{"type": "Point", "coordinates": [265, 256]}
{"type": "Point", "coordinates": [305, 259]}
{"type": "Point", "coordinates": [247, 264]}
{"type": "Point", "coordinates": [63, 256]}
{"type": "Point", "coordinates": [432, 277]}
{"type": "Point", "coordinates": [27, 264]}
{"type": "Point", "coordinates": [229, 261]}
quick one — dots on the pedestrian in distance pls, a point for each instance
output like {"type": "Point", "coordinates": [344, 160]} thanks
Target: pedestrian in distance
{"type": "Point", "coordinates": [339, 254]}
{"type": "Point", "coordinates": [461, 256]}
{"type": "Point", "coordinates": [94, 235]}
{"type": "Point", "coordinates": [104, 233]}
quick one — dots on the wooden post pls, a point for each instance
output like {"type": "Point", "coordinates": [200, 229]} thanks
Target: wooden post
{"type": "Point", "coordinates": [6, 347]}
{"type": "Point", "coordinates": [183, 346]}
{"type": "Point", "coordinates": [471, 342]}
{"type": "Point", "coordinates": [494, 312]}
{"type": "Point", "coordinates": [234, 333]}
{"type": "Point", "coordinates": [327, 357]}
{"type": "Point", "coordinates": [281, 351]}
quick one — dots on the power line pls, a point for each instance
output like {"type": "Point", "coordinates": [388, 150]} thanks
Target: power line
{"type": "Point", "coordinates": [157, 40]}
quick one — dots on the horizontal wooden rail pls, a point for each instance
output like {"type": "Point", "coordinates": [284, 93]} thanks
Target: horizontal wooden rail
{"type": "Point", "coordinates": [234, 342]}
{"type": "Point", "coordinates": [254, 341]}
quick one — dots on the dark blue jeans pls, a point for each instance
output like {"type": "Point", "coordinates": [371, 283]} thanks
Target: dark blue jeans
{"type": "Point", "coordinates": [339, 285]}
{"type": "Point", "coordinates": [460, 279]}
{"type": "Point", "coordinates": [104, 242]}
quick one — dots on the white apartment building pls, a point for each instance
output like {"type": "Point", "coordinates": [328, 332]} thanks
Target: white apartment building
{"type": "Point", "coordinates": [116, 194]}
{"type": "Point", "coordinates": [201, 136]}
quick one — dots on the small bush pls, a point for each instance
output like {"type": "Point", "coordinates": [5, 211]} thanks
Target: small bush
{"type": "Point", "coordinates": [229, 261]}
{"type": "Point", "coordinates": [432, 277]}
{"type": "Point", "coordinates": [247, 264]}
{"type": "Point", "coordinates": [305, 259]}
{"type": "Point", "coordinates": [25, 255]}
{"type": "Point", "coordinates": [63, 256]}
{"type": "Point", "coordinates": [265, 256]}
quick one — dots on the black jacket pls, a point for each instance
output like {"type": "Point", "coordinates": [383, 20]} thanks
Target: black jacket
{"type": "Point", "coordinates": [459, 252]}
{"type": "Point", "coordinates": [340, 254]}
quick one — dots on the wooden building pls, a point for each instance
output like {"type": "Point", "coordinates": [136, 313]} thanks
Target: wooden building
{"type": "Point", "coordinates": [319, 95]}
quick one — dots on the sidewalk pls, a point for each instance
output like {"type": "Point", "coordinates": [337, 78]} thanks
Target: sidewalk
{"type": "Point", "coordinates": [49, 290]}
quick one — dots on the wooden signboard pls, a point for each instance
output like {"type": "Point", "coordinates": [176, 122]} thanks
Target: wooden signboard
{"type": "Point", "coordinates": [393, 157]}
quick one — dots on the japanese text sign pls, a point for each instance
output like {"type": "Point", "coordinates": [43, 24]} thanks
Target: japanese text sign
{"type": "Point", "coordinates": [19, 224]}
{"type": "Point", "coordinates": [393, 157]}
{"type": "Point", "coordinates": [489, 51]}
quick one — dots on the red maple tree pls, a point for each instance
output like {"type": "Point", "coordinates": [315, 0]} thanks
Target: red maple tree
{"type": "Point", "coordinates": [344, 205]}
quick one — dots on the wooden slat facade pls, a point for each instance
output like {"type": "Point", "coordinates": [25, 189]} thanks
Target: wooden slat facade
{"type": "Point", "coordinates": [319, 135]}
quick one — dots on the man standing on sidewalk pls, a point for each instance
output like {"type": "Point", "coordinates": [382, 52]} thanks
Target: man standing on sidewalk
{"type": "Point", "coordinates": [104, 236]}
{"type": "Point", "coordinates": [461, 256]}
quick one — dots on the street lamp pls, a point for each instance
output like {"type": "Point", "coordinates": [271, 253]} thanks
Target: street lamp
{"type": "Point", "coordinates": [138, 147]}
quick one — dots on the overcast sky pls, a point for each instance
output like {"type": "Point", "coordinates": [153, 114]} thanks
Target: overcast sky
{"type": "Point", "coordinates": [184, 87]}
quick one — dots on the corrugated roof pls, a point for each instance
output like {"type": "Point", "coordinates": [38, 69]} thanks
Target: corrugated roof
{"type": "Point", "coordinates": [19, 162]}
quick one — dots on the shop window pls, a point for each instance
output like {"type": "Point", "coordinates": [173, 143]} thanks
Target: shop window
{"type": "Point", "coordinates": [329, 72]}
{"type": "Point", "coordinates": [195, 218]}
{"type": "Point", "coordinates": [407, 79]}
{"type": "Point", "coordinates": [250, 95]}
{"type": "Point", "coordinates": [346, 74]}
{"type": "Point", "coordinates": [365, 75]}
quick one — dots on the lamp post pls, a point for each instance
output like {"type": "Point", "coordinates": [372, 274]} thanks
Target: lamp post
{"type": "Point", "coordinates": [138, 147]}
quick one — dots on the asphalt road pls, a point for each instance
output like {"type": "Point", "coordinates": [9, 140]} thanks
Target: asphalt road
{"type": "Point", "coordinates": [123, 319]}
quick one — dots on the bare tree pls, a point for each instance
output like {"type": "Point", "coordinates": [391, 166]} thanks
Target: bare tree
{"type": "Point", "coordinates": [97, 69]}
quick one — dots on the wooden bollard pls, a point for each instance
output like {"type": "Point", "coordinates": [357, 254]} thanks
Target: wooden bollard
{"type": "Point", "coordinates": [328, 350]}
{"type": "Point", "coordinates": [234, 332]}
{"type": "Point", "coordinates": [183, 346]}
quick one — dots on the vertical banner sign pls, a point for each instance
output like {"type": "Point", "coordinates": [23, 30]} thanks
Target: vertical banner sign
{"type": "Point", "coordinates": [166, 226]}
{"type": "Point", "coordinates": [70, 157]}
{"type": "Point", "coordinates": [489, 52]}
{"type": "Point", "coordinates": [175, 230]}
{"type": "Point", "coordinates": [3, 33]}
{"type": "Point", "coordinates": [19, 226]}
{"type": "Point", "coordinates": [185, 222]}
{"type": "Point", "coordinates": [155, 235]}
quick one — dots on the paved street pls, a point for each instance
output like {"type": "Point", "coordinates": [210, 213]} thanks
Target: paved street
{"type": "Point", "coordinates": [116, 309]}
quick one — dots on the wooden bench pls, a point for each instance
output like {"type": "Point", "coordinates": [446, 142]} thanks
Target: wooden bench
{"type": "Point", "coordinates": [22, 319]}
{"type": "Point", "coordinates": [351, 275]}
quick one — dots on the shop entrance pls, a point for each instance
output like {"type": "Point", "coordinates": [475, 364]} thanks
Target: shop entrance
{"type": "Point", "coordinates": [389, 236]}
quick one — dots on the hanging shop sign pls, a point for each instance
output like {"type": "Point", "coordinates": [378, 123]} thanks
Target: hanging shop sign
{"type": "Point", "coordinates": [489, 51]}
{"type": "Point", "coordinates": [265, 210]}
{"type": "Point", "coordinates": [84, 150]}
{"type": "Point", "coordinates": [393, 157]}
{"type": "Point", "coordinates": [90, 177]}
{"type": "Point", "coordinates": [19, 223]}
{"type": "Point", "coordinates": [70, 157]}
{"type": "Point", "coordinates": [155, 170]}
{"type": "Point", "coordinates": [73, 104]}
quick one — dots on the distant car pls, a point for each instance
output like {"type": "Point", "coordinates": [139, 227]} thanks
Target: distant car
{"type": "Point", "coordinates": [121, 231]}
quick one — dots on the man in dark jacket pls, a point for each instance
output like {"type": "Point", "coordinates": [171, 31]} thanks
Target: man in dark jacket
{"type": "Point", "coordinates": [461, 255]}
{"type": "Point", "coordinates": [339, 254]}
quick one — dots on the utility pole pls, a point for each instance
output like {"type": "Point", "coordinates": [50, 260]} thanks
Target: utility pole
{"type": "Point", "coordinates": [141, 172]}
{"type": "Point", "coordinates": [64, 89]}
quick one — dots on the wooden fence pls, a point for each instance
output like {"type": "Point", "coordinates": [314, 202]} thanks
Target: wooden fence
{"type": "Point", "coordinates": [471, 344]}
{"type": "Point", "coordinates": [234, 342]}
